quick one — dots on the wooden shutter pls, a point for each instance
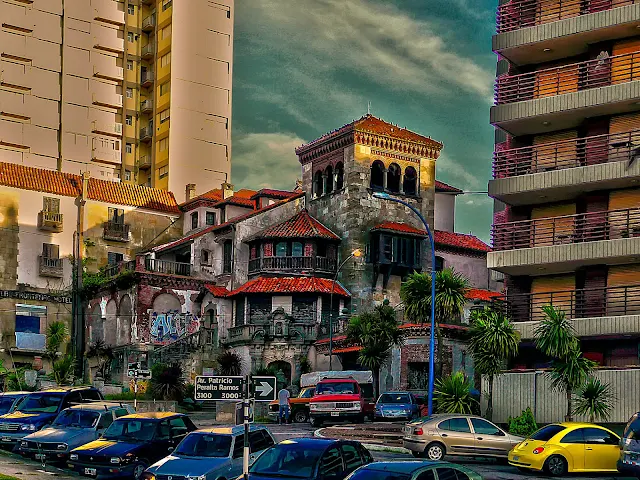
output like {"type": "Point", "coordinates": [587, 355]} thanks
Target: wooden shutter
{"type": "Point", "coordinates": [626, 68]}
{"type": "Point", "coordinates": [556, 81]}
{"type": "Point", "coordinates": [550, 231]}
{"type": "Point", "coordinates": [624, 123]}
{"type": "Point", "coordinates": [554, 10]}
{"type": "Point", "coordinates": [624, 199]}
{"type": "Point", "coordinates": [50, 251]}
{"type": "Point", "coordinates": [557, 290]}
{"type": "Point", "coordinates": [623, 292]}
{"type": "Point", "coordinates": [547, 152]}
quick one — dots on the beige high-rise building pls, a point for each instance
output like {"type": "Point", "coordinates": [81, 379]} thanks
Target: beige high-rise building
{"type": "Point", "coordinates": [137, 90]}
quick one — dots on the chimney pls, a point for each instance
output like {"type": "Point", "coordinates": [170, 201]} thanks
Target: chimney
{"type": "Point", "coordinates": [227, 190]}
{"type": "Point", "coordinates": [85, 185]}
{"type": "Point", "coordinates": [190, 191]}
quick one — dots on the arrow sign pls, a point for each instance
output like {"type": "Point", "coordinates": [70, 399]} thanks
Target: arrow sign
{"type": "Point", "coordinates": [264, 388]}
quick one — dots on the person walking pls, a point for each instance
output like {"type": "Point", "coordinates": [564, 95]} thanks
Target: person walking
{"type": "Point", "coordinates": [284, 408]}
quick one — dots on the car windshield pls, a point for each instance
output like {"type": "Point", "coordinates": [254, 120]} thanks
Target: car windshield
{"type": "Point", "coordinates": [41, 403]}
{"type": "Point", "coordinates": [547, 433]}
{"type": "Point", "coordinates": [205, 445]}
{"type": "Point", "coordinates": [632, 430]}
{"type": "Point", "coordinates": [394, 398]}
{"type": "Point", "coordinates": [77, 418]}
{"type": "Point", "coordinates": [335, 387]}
{"type": "Point", "coordinates": [130, 430]}
{"type": "Point", "coordinates": [5, 404]}
{"type": "Point", "coordinates": [287, 459]}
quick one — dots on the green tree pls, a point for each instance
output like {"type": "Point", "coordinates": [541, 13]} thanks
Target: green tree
{"type": "Point", "coordinates": [229, 363]}
{"type": "Point", "coordinates": [493, 341]}
{"type": "Point", "coordinates": [168, 383]}
{"type": "Point", "coordinates": [451, 290]}
{"type": "Point", "coordinates": [555, 337]}
{"type": "Point", "coordinates": [57, 333]}
{"type": "Point", "coordinates": [595, 399]}
{"type": "Point", "coordinates": [376, 332]}
{"type": "Point", "coordinates": [62, 369]}
{"type": "Point", "coordinates": [453, 394]}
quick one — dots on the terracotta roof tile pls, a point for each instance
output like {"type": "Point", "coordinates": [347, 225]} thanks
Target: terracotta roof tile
{"type": "Point", "coordinates": [291, 285]}
{"type": "Point", "coordinates": [481, 294]}
{"type": "Point", "coordinates": [443, 187]}
{"type": "Point", "coordinates": [70, 185]}
{"type": "Point", "coordinates": [355, 348]}
{"type": "Point", "coordinates": [301, 225]}
{"type": "Point", "coordinates": [217, 291]}
{"type": "Point", "coordinates": [270, 192]}
{"type": "Point", "coordinates": [460, 240]}
{"type": "Point", "coordinates": [400, 228]}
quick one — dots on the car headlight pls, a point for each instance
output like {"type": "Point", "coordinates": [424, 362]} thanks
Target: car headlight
{"type": "Point", "coordinates": [73, 456]}
{"type": "Point", "coordinates": [115, 459]}
{"type": "Point", "coordinates": [201, 477]}
{"type": "Point", "coordinates": [61, 446]}
{"type": "Point", "coordinates": [313, 406]}
{"type": "Point", "coordinates": [28, 427]}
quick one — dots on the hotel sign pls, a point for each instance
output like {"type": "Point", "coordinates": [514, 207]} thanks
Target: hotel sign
{"type": "Point", "coordinates": [38, 297]}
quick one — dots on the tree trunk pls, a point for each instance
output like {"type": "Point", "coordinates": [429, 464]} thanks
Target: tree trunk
{"type": "Point", "coordinates": [489, 413]}
{"type": "Point", "coordinates": [569, 416]}
{"type": "Point", "coordinates": [439, 363]}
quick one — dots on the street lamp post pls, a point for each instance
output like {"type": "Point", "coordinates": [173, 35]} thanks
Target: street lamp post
{"type": "Point", "coordinates": [386, 196]}
{"type": "Point", "coordinates": [356, 253]}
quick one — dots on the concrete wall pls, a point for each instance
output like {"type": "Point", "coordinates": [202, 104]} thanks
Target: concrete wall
{"type": "Point", "coordinates": [472, 267]}
{"type": "Point", "coordinates": [445, 212]}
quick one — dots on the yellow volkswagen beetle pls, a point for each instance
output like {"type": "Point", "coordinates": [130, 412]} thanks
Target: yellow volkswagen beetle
{"type": "Point", "coordinates": [568, 447]}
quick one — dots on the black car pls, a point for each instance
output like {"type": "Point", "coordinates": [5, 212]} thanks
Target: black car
{"type": "Point", "coordinates": [131, 444]}
{"type": "Point", "coordinates": [629, 462]}
{"type": "Point", "coordinates": [311, 459]}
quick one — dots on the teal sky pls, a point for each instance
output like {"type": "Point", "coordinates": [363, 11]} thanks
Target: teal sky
{"type": "Point", "coordinates": [305, 67]}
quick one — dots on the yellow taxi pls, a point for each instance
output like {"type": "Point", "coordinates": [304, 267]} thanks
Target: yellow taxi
{"type": "Point", "coordinates": [568, 447]}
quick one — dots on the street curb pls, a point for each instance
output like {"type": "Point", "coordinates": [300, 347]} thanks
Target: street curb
{"type": "Point", "coordinates": [373, 447]}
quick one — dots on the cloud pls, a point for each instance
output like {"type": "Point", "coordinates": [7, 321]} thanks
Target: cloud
{"type": "Point", "coordinates": [266, 160]}
{"type": "Point", "coordinates": [449, 170]}
{"type": "Point", "coordinates": [466, 8]}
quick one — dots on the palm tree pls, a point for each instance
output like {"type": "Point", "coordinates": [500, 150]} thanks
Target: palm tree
{"type": "Point", "coordinates": [376, 332]}
{"type": "Point", "coordinates": [569, 374]}
{"type": "Point", "coordinates": [493, 341]}
{"type": "Point", "coordinates": [229, 363]}
{"type": "Point", "coordinates": [453, 394]}
{"type": "Point", "coordinates": [169, 384]}
{"type": "Point", "coordinates": [595, 398]}
{"type": "Point", "coordinates": [451, 290]}
{"type": "Point", "coordinates": [57, 334]}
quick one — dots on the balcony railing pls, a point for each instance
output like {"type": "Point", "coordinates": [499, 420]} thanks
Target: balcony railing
{"type": "Point", "coordinates": [118, 232]}
{"type": "Point", "coordinates": [50, 221]}
{"type": "Point", "coordinates": [580, 303]}
{"type": "Point", "coordinates": [265, 331]}
{"type": "Point", "coordinates": [292, 263]}
{"type": "Point", "coordinates": [145, 162]}
{"type": "Point", "coordinates": [595, 73]}
{"type": "Point", "coordinates": [149, 23]}
{"type": "Point", "coordinates": [51, 267]}
{"type": "Point", "coordinates": [147, 51]}
{"type": "Point", "coordinates": [573, 153]}
{"type": "Point", "coordinates": [165, 266]}
{"type": "Point", "coordinates": [146, 106]}
{"type": "Point", "coordinates": [146, 133]}
{"type": "Point", "coordinates": [518, 14]}
{"type": "Point", "coordinates": [113, 270]}
{"type": "Point", "coordinates": [567, 229]}
{"type": "Point", "coordinates": [146, 78]}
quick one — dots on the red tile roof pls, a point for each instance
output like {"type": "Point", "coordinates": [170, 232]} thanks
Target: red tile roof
{"type": "Point", "coordinates": [217, 291]}
{"type": "Point", "coordinates": [443, 187]}
{"type": "Point", "coordinates": [291, 285]}
{"type": "Point", "coordinates": [355, 348]}
{"type": "Point", "coordinates": [400, 228]}
{"type": "Point", "coordinates": [70, 185]}
{"type": "Point", "coordinates": [460, 241]}
{"type": "Point", "coordinates": [301, 225]}
{"type": "Point", "coordinates": [214, 198]}
{"type": "Point", "coordinates": [270, 192]}
{"type": "Point", "coordinates": [480, 294]}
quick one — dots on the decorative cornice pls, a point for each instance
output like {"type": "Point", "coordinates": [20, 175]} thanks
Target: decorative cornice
{"type": "Point", "coordinates": [311, 152]}
{"type": "Point", "coordinates": [402, 146]}
{"type": "Point", "coordinates": [397, 156]}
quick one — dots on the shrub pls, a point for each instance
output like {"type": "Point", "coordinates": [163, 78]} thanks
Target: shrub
{"type": "Point", "coordinates": [453, 394]}
{"type": "Point", "coordinates": [524, 425]}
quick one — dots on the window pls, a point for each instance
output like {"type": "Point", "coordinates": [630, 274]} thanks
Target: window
{"type": "Point", "coordinates": [28, 320]}
{"type": "Point", "coordinates": [451, 474]}
{"type": "Point", "coordinates": [547, 433]}
{"type": "Point", "coordinates": [165, 32]}
{"type": "Point", "coordinates": [330, 463]}
{"type": "Point", "coordinates": [166, 4]}
{"type": "Point", "coordinates": [226, 257]}
{"type": "Point", "coordinates": [114, 258]}
{"type": "Point", "coordinates": [597, 436]}
{"type": "Point", "coordinates": [281, 249]}
{"type": "Point", "coordinates": [165, 60]}
{"type": "Point", "coordinates": [130, 34]}
{"type": "Point", "coordinates": [296, 249]}
{"type": "Point", "coordinates": [352, 459]}
{"type": "Point", "coordinates": [339, 176]}
{"type": "Point", "coordinates": [51, 205]}
{"type": "Point", "coordinates": [121, 412]}
{"type": "Point", "coordinates": [577, 436]}
{"type": "Point", "coordinates": [257, 442]}
{"type": "Point", "coordinates": [194, 220]}
{"type": "Point", "coordinates": [328, 175]}
{"type": "Point", "coordinates": [418, 375]}
{"type": "Point", "coordinates": [165, 88]}
{"type": "Point", "coordinates": [393, 178]}
{"type": "Point", "coordinates": [240, 311]}
{"type": "Point", "coordinates": [485, 428]}
{"type": "Point", "coordinates": [632, 430]}
{"type": "Point", "coordinates": [318, 184]}
{"type": "Point", "coordinates": [164, 431]}
{"type": "Point", "coordinates": [129, 92]}
{"type": "Point", "coordinates": [428, 475]}
{"type": "Point", "coordinates": [131, 9]}
{"type": "Point", "coordinates": [455, 425]}
{"type": "Point", "coordinates": [116, 215]}
{"type": "Point", "coordinates": [178, 427]}
{"type": "Point", "coordinates": [204, 257]}
{"type": "Point", "coordinates": [127, 175]}
{"type": "Point", "coordinates": [128, 120]}
{"type": "Point", "coordinates": [50, 251]}
{"type": "Point", "coordinates": [163, 144]}
{"type": "Point", "coordinates": [238, 448]}
{"type": "Point", "coordinates": [223, 215]}
{"type": "Point", "coordinates": [128, 148]}
{"type": "Point", "coordinates": [164, 115]}
{"type": "Point", "coordinates": [409, 186]}
{"type": "Point", "coordinates": [129, 64]}
{"type": "Point", "coordinates": [163, 172]}
{"type": "Point", "coordinates": [211, 218]}
{"type": "Point", "coordinates": [439, 264]}
{"type": "Point", "coordinates": [377, 175]}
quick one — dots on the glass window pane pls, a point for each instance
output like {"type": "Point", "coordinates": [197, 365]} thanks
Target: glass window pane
{"type": "Point", "coordinates": [281, 249]}
{"type": "Point", "coordinates": [547, 433]}
{"type": "Point", "coordinates": [352, 459]}
{"type": "Point", "coordinates": [296, 249]}
{"type": "Point", "coordinates": [446, 474]}
{"type": "Point", "coordinates": [577, 436]}
{"type": "Point", "coordinates": [484, 427]}
{"type": "Point", "coordinates": [597, 436]}
{"type": "Point", "coordinates": [331, 463]}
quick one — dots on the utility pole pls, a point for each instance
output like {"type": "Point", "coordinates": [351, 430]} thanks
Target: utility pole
{"type": "Point", "coordinates": [77, 330]}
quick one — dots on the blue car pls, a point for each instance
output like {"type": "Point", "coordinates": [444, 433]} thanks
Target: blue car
{"type": "Point", "coordinates": [426, 470]}
{"type": "Point", "coordinates": [396, 406]}
{"type": "Point", "coordinates": [39, 409]}
{"type": "Point", "coordinates": [214, 454]}
{"type": "Point", "coordinates": [310, 459]}
{"type": "Point", "coordinates": [10, 400]}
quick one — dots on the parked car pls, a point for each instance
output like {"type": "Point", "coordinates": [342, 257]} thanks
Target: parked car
{"type": "Point", "coordinates": [468, 435]}
{"type": "Point", "coordinates": [629, 461]}
{"type": "Point", "coordinates": [10, 400]}
{"type": "Point", "coordinates": [562, 448]}
{"type": "Point", "coordinates": [131, 444]}
{"type": "Point", "coordinates": [311, 459]}
{"type": "Point", "coordinates": [415, 470]}
{"type": "Point", "coordinates": [214, 454]}
{"type": "Point", "coordinates": [397, 405]}
{"type": "Point", "coordinates": [299, 406]}
{"type": "Point", "coordinates": [73, 427]}
{"type": "Point", "coordinates": [39, 409]}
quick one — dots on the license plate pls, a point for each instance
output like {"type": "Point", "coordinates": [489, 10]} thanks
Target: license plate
{"type": "Point", "coordinates": [335, 414]}
{"type": "Point", "coordinates": [40, 456]}
{"type": "Point", "coordinates": [516, 458]}
{"type": "Point", "coordinates": [6, 439]}
{"type": "Point", "coordinates": [90, 471]}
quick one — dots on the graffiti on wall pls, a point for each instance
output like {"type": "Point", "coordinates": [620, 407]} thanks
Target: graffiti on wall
{"type": "Point", "coordinates": [167, 327]}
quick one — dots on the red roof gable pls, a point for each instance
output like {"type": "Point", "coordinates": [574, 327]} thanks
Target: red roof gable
{"type": "Point", "coordinates": [400, 228]}
{"type": "Point", "coordinates": [291, 285]}
{"type": "Point", "coordinates": [443, 187]}
{"type": "Point", "coordinates": [301, 225]}
{"type": "Point", "coordinates": [217, 291]}
{"type": "Point", "coordinates": [480, 294]}
{"type": "Point", "coordinates": [270, 192]}
{"type": "Point", "coordinates": [460, 240]}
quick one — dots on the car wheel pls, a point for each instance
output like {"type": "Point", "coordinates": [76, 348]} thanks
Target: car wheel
{"type": "Point", "coordinates": [555, 465]}
{"type": "Point", "coordinates": [434, 451]}
{"type": "Point", "coordinates": [138, 470]}
{"type": "Point", "coordinates": [300, 416]}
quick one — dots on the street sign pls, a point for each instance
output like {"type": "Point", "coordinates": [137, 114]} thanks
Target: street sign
{"type": "Point", "coordinates": [221, 388]}
{"type": "Point", "coordinates": [139, 373]}
{"type": "Point", "coordinates": [264, 388]}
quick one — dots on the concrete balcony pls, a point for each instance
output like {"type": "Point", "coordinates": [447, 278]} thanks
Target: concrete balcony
{"type": "Point", "coordinates": [146, 78]}
{"type": "Point", "coordinates": [108, 11]}
{"type": "Point", "coordinates": [107, 128]}
{"type": "Point", "coordinates": [261, 332]}
{"type": "Point", "coordinates": [109, 42]}
{"type": "Point", "coordinates": [50, 267]}
{"type": "Point", "coordinates": [168, 267]}
{"type": "Point", "coordinates": [109, 100]}
{"type": "Point", "coordinates": [106, 152]}
{"type": "Point", "coordinates": [145, 162]}
{"type": "Point", "coordinates": [561, 170]}
{"type": "Point", "coordinates": [116, 232]}
{"type": "Point", "coordinates": [148, 52]}
{"type": "Point", "coordinates": [537, 31]}
{"type": "Point", "coordinates": [149, 23]}
{"type": "Point", "coordinates": [50, 221]}
{"type": "Point", "coordinates": [108, 72]}
{"type": "Point", "coordinates": [146, 134]}
{"type": "Point", "coordinates": [146, 106]}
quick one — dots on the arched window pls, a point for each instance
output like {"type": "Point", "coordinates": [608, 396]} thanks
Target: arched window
{"type": "Point", "coordinates": [393, 178]}
{"type": "Point", "coordinates": [318, 187]}
{"type": "Point", "coordinates": [339, 176]}
{"type": "Point", "coordinates": [328, 173]}
{"type": "Point", "coordinates": [377, 175]}
{"type": "Point", "coordinates": [410, 181]}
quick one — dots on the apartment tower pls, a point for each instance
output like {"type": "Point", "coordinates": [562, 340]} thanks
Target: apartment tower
{"type": "Point", "coordinates": [566, 171]}
{"type": "Point", "coordinates": [136, 90]}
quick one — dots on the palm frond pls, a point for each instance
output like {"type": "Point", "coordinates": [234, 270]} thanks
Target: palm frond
{"type": "Point", "coordinates": [571, 371]}
{"type": "Point", "coordinates": [453, 394]}
{"type": "Point", "coordinates": [555, 335]}
{"type": "Point", "coordinates": [594, 399]}
{"type": "Point", "coordinates": [493, 340]}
